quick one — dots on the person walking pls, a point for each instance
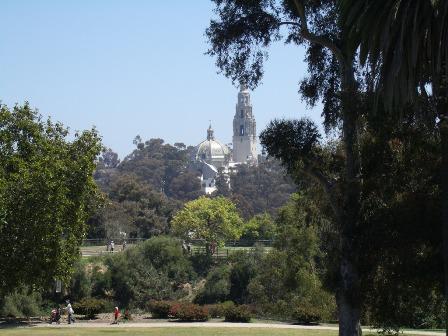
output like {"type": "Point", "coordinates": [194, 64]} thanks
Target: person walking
{"type": "Point", "coordinates": [70, 312]}
{"type": "Point", "coordinates": [112, 245]}
{"type": "Point", "coordinates": [116, 315]}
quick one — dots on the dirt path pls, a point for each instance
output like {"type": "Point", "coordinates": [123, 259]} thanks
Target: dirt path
{"type": "Point", "coordinates": [213, 325]}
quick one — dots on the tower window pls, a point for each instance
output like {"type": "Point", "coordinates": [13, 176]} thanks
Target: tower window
{"type": "Point", "coordinates": [242, 130]}
{"type": "Point", "coordinates": [242, 114]}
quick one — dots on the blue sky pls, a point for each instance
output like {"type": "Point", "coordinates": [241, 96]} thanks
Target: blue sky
{"type": "Point", "coordinates": [133, 67]}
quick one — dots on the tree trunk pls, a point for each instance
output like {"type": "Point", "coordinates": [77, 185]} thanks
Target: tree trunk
{"type": "Point", "coordinates": [348, 295]}
{"type": "Point", "coordinates": [444, 205]}
{"type": "Point", "coordinates": [442, 111]}
{"type": "Point", "coordinates": [348, 301]}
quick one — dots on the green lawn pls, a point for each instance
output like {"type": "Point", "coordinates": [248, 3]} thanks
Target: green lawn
{"type": "Point", "coordinates": [162, 332]}
{"type": "Point", "coordinates": [177, 331]}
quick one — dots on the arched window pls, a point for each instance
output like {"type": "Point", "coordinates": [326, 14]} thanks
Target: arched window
{"type": "Point", "coordinates": [242, 114]}
{"type": "Point", "coordinates": [242, 130]}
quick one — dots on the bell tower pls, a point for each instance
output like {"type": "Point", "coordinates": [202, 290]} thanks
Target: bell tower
{"type": "Point", "coordinates": [244, 129]}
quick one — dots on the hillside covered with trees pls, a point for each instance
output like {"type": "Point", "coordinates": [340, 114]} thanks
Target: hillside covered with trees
{"type": "Point", "coordinates": [144, 190]}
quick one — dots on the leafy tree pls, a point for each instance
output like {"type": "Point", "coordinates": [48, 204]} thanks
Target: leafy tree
{"type": "Point", "coordinates": [108, 159]}
{"type": "Point", "coordinates": [290, 276]}
{"type": "Point", "coordinates": [157, 164]}
{"type": "Point", "coordinates": [408, 42]}
{"type": "Point", "coordinates": [217, 286]}
{"type": "Point", "coordinates": [148, 210]}
{"type": "Point", "coordinates": [402, 272]}
{"type": "Point", "coordinates": [257, 189]}
{"type": "Point", "coordinates": [239, 38]}
{"type": "Point", "coordinates": [260, 227]}
{"type": "Point", "coordinates": [214, 220]}
{"type": "Point", "coordinates": [46, 192]}
{"type": "Point", "coordinates": [246, 265]}
{"type": "Point", "coordinates": [151, 270]}
{"type": "Point", "coordinates": [185, 187]}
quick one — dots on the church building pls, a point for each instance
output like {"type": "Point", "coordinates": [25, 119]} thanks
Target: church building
{"type": "Point", "coordinates": [211, 154]}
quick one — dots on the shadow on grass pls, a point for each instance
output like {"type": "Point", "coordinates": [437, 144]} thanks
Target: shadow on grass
{"type": "Point", "coordinates": [10, 323]}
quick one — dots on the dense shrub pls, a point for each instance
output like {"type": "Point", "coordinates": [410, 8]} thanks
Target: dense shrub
{"type": "Point", "coordinates": [217, 286]}
{"type": "Point", "coordinates": [22, 303]}
{"type": "Point", "coordinates": [218, 309]}
{"type": "Point", "coordinates": [235, 313]}
{"type": "Point", "coordinates": [89, 307]}
{"type": "Point", "coordinates": [202, 263]}
{"type": "Point", "coordinates": [159, 309]}
{"type": "Point", "coordinates": [166, 255]}
{"type": "Point", "coordinates": [307, 313]}
{"type": "Point", "coordinates": [151, 270]}
{"type": "Point", "coordinates": [81, 284]}
{"type": "Point", "coordinates": [245, 266]}
{"type": "Point", "coordinates": [185, 311]}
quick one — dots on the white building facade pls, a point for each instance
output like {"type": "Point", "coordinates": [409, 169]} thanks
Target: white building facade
{"type": "Point", "coordinates": [211, 155]}
{"type": "Point", "coordinates": [244, 130]}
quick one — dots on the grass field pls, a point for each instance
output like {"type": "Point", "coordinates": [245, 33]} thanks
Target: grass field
{"type": "Point", "coordinates": [163, 332]}
{"type": "Point", "coordinates": [172, 331]}
{"type": "Point", "coordinates": [221, 252]}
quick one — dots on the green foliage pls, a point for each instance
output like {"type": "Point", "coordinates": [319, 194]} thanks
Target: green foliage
{"type": "Point", "coordinates": [161, 166]}
{"type": "Point", "coordinates": [89, 307]}
{"type": "Point", "coordinates": [260, 227]}
{"type": "Point", "coordinates": [81, 284]}
{"type": "Point", "coordinates": [202, 263]}
{"type": "Point", "coordinates": [307, 313]}
{"type": "Point", "coordinates": [166, 255]}
{"type": "Point", "coordinates": [401, 212]}
{"type": "Point", "coordinates": [21, 303]}
{"type": "Point", "coordinates": [189, 312]}
{"type": "Point", "coordinates": [135, 280]}
{"type": "Point", "coordinates": [218, 309]}
{"type": "Point", "coordinates": [160, 309]}
{"type": "Point", "coordinates": [292, 141]}
{"type": "Point", "coordinates": [211, 219]}
{"type": "Point", "coordinates": [217, 286]}
{"type": "Point", "coordinates": [257, 190]}
{"type": "Point", "coordinates": [46, 195]}
{"type": "Point", "coordinates": [234, 313]}
{"type": "Point", "coordinates": [151, 270]}
{"type": "Point", "coordinates": [245, 266]}
{"type": "Point", "coordinates": [289, 275]}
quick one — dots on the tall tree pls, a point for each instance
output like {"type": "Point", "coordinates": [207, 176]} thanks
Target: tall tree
{"type": "Point", "coordinates": [238, 38]}
{"type": "Point", "coordinates": [214, 220]}
{"type": "Point", "coordinates": [407, 40]}
{"type": "Point", "coordinates": [46, 195]}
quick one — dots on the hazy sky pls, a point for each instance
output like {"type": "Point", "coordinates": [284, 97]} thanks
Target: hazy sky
{"type": "Point", "coordinates": [133, 67]}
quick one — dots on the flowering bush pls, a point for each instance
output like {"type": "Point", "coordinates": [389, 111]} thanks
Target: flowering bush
{"type": "Point", "coordinates": [185, 311]}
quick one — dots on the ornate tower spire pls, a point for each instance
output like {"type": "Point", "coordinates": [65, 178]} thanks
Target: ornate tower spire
{"type": "Point", "coordinates": [210, 135]}
{"type": "Point", "coordinates": [244, 129]}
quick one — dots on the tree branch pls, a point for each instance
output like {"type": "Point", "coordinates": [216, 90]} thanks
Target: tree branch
{"type": "Point", "coordinates": [311, 37]}
{"type": "Point", "coordinates": [327, 184]}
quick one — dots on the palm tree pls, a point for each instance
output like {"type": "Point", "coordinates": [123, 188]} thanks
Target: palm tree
{"type": "Point", "coordinates": [408, 39]}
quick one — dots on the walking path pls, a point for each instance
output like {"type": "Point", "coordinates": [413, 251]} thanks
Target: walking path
{"type": "Point", "coordinates": [215, 325]}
